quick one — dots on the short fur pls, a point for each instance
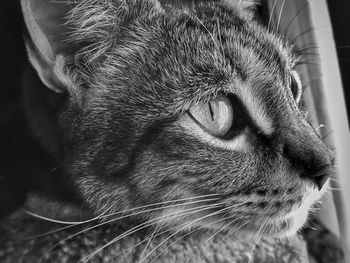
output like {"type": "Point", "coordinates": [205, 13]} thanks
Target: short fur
{"type": "Point", "coordinates": [124, 134]}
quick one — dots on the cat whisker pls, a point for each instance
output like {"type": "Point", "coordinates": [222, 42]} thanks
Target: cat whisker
{"type": "Point", "coordinates": [144, 225]}
{"type": "Point", "coordinates": [335, 189]}
{"type": "Point", "coordinates": [148, 223]}
{"type": "Point", "coordinates": [328, 134]}
{"type": "Point", "coordinates": [310, 54]}
{"type": "Point", "coordinates": [187, 234]}
{"type": "Point", "coordinates": [102, 215]}
{"type": "Point", "coordinates": [295, 38]}
{"type": "Point", "coordinates": [69, 225]}
{"type": "Point", "coordinates": [170, 201]}
{"type": "Point", "coordinates": [158, 234]}
{"type": "Point", "coordinates": [206, 29]}
{"type": "Point", "coordinates": [116, 219]}
{"type": "Point", "coordinates": [307, 50]}
{"type": "Point", "coordinates": [169, 229]}
{"type": "Point", "coordinates": [121, 212]}
{"type": "Point", "coordinates": [280, 14]}
{"type": "Point", "coordinates": [139, 243]}
{"type": "Point", "coordinates": [234, 230]}
{"type": "Point", "coordinates": [295, 16]}
{"type": "Point", "coordinates": [256, 239]}
{"type": "Point", "coordinates": [154, 234]}
{"type": "Point", "coordinates": [334, 179]}
{"type": "Point", "coordinates": [49, 232]}
{"type": "Point", "coordinates": [271, 14]}
{"type": "Point", "coordinates": [65, 222]}
{"type": "Point", "coordinates": [310, 30]}
{"type": "Point", "coordinates": [217, 232]}
{"type": "Point", "coordinates": [231, 232]}
{"type": "Point", "coordinates": [161, 207]}
{"type": "Point", "coordinates": [128, 249]}
{"type": "Point", "coordinates": [308, 63]}
{"type": "Point", "coordinates": [188, 225]}
{"type": "Point", "coordinates": [302, 50]}
{"type": "Point", "coordinates": [310, 45]}
{"type": "Point", "coordinates": [55, 220]}
{"type": "Point", "coordinates": [313, 228]}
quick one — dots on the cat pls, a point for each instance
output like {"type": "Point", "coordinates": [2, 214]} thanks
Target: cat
{"type": "Point", "coordinates": [186, 107]}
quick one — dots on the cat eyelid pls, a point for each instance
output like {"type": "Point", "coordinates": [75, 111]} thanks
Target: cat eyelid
{"type": "Point", "coordinates": [296, 85]}
{"type": "Point", "coordinates": [238, 143]}
{"type": "Point", "coordinates": [218, 128]}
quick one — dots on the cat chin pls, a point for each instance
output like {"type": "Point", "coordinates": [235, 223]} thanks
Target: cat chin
{"type": "Point", "coordinates": [287, 226]}
{"type": "Point", "coordinates": [292, 222]}
{"type": "Point", "coordinates": [278, 226]}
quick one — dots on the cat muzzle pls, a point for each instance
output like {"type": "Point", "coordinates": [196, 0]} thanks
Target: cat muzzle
{"type": "Point", "coordinates": [321, 176]}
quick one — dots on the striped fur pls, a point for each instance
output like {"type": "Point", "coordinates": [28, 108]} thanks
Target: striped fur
{"type": "Point", "coordinates": [128, 141]}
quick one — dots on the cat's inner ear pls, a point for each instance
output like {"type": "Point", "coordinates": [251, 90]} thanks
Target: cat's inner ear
{"type": "Point", "coordinates": [47, 46]}
{"type": "Point", "coordinates": [248, 7]}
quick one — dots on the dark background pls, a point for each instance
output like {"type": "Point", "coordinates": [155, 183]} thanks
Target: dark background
{"type": "Point", "coordinates": [21, 156]}
{"type": "Point", "coordinates": [15, 150]}
{"type": "Point", "coordinates": [340, 16]}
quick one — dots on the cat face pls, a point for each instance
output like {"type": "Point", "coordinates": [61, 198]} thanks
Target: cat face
{"type": "Point", "coordinates": [195, 104]}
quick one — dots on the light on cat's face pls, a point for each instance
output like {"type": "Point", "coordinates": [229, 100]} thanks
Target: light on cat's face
{"type": "Point", "coordinates": [215, 116]}
{"type": "Point", "coordinates": [296, 86]}
{"type": "Point", "coordinates": [135, 141]}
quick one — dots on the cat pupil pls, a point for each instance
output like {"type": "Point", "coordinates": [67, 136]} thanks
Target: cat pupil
{"type": "Point", "coordinates": [211, 111]}
{"type": "Point", "coordinates": [215, 117]}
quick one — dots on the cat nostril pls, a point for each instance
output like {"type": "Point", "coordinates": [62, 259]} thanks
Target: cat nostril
{"type": "Point", "coordinates": [309, 160]}
{"type": "Point", "coordinates": [321, 175]}
{"type": "Point", "coordinates": [321, 180]}
{"type": "Point", "coordinates": [261, 192]}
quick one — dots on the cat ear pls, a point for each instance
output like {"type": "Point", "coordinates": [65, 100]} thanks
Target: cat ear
{"type": "Point", "coordinates": [248, 7]}
{"type": "Point", "coordinates": [47, 47]}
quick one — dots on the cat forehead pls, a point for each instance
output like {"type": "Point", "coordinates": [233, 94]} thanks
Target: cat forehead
{"type": "Point", "coordinates": [201, 60]}
{"type": "Point", "coordinates": [185, 56]}
{"type": "Point", "coordinates": [210, 26]}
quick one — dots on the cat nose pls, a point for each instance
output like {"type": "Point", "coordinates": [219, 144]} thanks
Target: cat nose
{"type": "Point", "coordinates": [310, 156]}
{"type": "Point", "coordinates": [319, 176]}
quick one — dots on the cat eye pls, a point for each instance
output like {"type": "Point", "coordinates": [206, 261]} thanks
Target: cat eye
{"type": "Point", "coordinates": [215, 116]}
{"type": "Point", "coordinates": [296, 86]}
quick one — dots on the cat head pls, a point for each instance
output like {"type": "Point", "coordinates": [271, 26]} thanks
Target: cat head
{"type": "Point", "coordinates": [188, 110]}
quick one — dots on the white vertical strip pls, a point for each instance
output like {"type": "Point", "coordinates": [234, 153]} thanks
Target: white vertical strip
{"type": "Point", "coordinates": [309, 21]}
{"type": "Point", "coordinates": [295, 22]}
{"type": "Point", "coordinates": [335, 103]}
